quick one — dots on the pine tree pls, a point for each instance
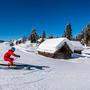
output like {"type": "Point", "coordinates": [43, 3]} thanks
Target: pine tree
{"type": "Point", "coordinates": [80, 36]}
{"type": "Point", "coordinates": [87, 34]}
{"type": "Point", "coordinates": [33, 37]}
{"type": "Point", "coordinates": [84, 35]}
{"type": "Point", "coordinates": [68, 32]}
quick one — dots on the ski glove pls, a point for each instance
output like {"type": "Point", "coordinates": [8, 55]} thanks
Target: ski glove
{"type": "Point", "coordinates": [18, 56]}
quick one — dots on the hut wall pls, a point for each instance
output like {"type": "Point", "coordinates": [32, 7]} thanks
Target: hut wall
{"type": "Point", "coordinates": [61, 55]}
{"type": "Point", "coordinates": [56, 55]}
{"type": "Point", "coordinates": [63, 52]}
{"type": "Point", "coordinates": [46, 54]}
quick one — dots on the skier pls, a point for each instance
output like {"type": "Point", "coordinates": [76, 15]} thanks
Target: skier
{"type": "Point", "coordinates": [8, 54]}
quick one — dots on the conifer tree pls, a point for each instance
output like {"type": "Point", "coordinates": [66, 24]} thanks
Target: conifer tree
{"type": "Point", "coordinates": [68, 32]}
{"type": "Point", "coordinates": [34, 36]}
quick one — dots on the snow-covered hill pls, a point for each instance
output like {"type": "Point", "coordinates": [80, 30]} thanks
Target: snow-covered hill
{"type": "Point", "coordinates": [71, 74]}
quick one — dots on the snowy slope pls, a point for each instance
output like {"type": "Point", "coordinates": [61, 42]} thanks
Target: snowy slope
{"type": "Point", "coordinates": [27, 47]}
{"type": "Point", "coordinates": [61, 74]}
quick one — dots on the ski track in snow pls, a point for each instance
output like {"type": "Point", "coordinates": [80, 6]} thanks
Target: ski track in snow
{"type": "Point", "coordinates": [23, 78]}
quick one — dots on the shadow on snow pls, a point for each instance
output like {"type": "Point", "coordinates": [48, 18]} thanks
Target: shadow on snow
{"type": "Point", "coordinates": [23, 66]}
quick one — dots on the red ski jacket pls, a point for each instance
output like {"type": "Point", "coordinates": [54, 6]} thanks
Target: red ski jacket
{"type": "Point", "coordinates": [8, 54]}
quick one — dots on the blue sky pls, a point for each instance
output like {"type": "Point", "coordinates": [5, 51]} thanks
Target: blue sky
{"type": "Point", "coordinates": [18, 17]}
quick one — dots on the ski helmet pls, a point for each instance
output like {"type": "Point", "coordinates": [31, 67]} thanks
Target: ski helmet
{"type": "Point", "coordinates": [13, 48]}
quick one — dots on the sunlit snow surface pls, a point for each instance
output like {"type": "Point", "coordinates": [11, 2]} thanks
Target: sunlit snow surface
{"type": "Point", "coordinates": [71, 74]}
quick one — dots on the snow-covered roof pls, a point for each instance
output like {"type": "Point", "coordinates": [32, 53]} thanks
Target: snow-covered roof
{"type": "Point", "coordinates": [52, 45]}
{"type": "Point", "coordinates": [77, 45]}
{"type": "Point", "coordinates": [39, 40]}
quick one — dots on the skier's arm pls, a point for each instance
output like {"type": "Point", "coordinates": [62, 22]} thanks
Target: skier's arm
{"type": "Point", "coordinates": [16, 55]}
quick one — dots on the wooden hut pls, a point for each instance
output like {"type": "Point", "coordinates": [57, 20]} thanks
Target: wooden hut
{"type": "Point", "coordinates": [56, 48]}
